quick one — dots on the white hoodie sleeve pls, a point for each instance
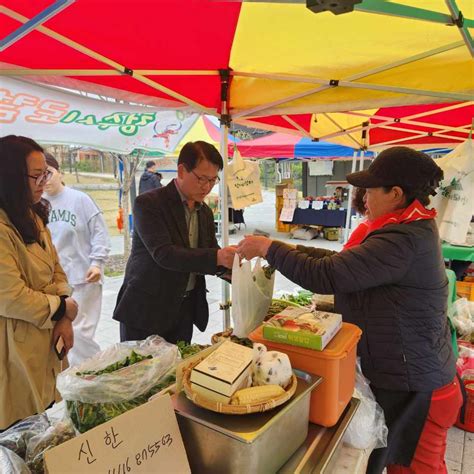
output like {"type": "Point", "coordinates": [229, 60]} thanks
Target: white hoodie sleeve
{"type": "Point", "coordinates": [100, 242]}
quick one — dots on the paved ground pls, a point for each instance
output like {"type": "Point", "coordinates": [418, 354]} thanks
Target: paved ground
{"type": "Point", "coordinates": [460, 451]}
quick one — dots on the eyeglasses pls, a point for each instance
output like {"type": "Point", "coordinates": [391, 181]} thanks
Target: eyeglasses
{"type": "Point", "coordinates": [202, 180]}
{"type": "Point", "coordinates": [42, 178]}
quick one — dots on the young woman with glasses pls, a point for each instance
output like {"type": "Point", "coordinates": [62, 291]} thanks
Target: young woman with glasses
{"type": "Point", "coordinates": [36, 311]}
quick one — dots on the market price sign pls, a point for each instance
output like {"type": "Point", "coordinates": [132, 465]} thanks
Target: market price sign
{"type": "Point", "coordinates": [145, 439]}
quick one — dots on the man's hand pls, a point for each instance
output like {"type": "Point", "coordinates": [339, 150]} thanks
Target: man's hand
{"type": "Point", "coordinates": [253, 246]}
{"type": "Point", "coordinates": [71, 309]}
{"type": "Point", "coordinates": [225, 256]}
{"type": "Point", "coordinates": [93, 274]}
{"type": "Point", "coordinates": [63, 328]}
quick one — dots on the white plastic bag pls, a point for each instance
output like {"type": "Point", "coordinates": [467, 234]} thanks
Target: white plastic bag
{"type": "Point", "coordinates": [11, 463]}
{"type": "Point", "coordinates": [252, 293]}
{"type": "Point", "coordinates": [243, 179]}
{"type": "Point", "coordinates": [367, 429]}
{"type": "Point", "coordinates": [305, 233]}
{"type": "Point", "coordinates": [55, 435]}
{"type": "Point", "coordinates": [92, 399]}
{"type": "Point", "coordinates": [454, 201]}
{"type": "Point", "coordinates": [462, 316]}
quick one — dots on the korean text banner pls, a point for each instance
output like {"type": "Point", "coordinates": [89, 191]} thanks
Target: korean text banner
{"type": "Point", "coordinates": [51, 116]}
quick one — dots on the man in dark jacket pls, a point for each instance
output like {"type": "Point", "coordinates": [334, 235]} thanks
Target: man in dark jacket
{"type": "Point", "coordinates": [174, 246]}
{"type": "Point", "coordinates": [392, 284]}
{"type": "Point", "coordinates": [149, 180]}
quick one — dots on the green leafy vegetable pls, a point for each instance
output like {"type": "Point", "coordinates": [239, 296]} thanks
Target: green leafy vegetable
{"type": "Point", "coordinates": [88, 415]}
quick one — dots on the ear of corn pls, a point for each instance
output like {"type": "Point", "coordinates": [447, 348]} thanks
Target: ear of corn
{"type": "Point", "coordinates": [258, 394]}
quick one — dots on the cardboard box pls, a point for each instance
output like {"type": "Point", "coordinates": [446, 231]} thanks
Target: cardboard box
{"type": "Point", "coordinates": [225, 370]}
{"type": "Point", "coordinates": [210, 394]}
{"type": "Point", "coordinates": [300, 327]}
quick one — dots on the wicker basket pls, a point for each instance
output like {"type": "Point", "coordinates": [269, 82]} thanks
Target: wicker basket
{"type": "Point", "coordinates": [235, 409]}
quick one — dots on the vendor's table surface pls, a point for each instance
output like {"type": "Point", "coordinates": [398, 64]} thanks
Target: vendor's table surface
{"type": "Point", "coordinates": [458, 252]}
{"type": "Point", "coordinates": [323, 217]}
{"type": "Point", "coordinates": [318, 454]}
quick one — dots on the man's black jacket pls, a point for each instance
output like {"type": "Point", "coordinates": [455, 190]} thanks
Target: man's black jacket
{"type": "Point", "coordinates": [158, 270]}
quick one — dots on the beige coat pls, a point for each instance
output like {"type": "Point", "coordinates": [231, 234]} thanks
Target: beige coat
{"type": "Point", "coordinates": [30, 280]}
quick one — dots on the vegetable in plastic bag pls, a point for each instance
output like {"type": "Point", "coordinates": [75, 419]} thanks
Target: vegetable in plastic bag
{"type": "Point", "coordinates": [116, 380]}
{"type": "Point", "coordinates": [54, 436]}
{"type": "Point", "coordinates": [11, 463]}
{"type": "Point", "coordinates": [16, 437]}
{"type": "Point", "coordinates": [367, 429]}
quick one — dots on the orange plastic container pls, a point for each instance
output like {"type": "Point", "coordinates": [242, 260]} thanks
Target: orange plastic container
{"type": "Point", "coordinates": [335, 364]}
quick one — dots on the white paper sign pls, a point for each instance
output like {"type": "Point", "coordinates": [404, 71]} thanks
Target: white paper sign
{"type": "Point", "coordinates": [287, 214]}
{"type": "Point", "coordinates": [51, 116]}
{"type": "Point", "coordinates": [290, 193]}
{"type": "Point", "coordinates": [243, 180]}
{"type": "Point", "coordinates": [143, 440]}
{"type": "Point", "coordinates": [320, 167]}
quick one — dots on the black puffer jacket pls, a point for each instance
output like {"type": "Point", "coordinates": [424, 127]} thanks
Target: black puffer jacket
{"type": "Point", "coordinates": [394, 287]}
{"type": "Point", "coordinates": [148, 182]}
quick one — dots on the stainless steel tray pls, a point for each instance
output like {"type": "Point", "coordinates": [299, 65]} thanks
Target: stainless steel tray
{"type": "Point", "coordinates": [256, 443]}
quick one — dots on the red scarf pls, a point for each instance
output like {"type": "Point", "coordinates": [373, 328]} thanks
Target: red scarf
{"type": "Point", "coordinates": [414, 212]}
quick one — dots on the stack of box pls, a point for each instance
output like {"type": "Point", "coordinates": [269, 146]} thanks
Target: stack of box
{"type": "Point", "coordinates": [223, 372]}
{"type": "Point", "coordinates": [300, 327]}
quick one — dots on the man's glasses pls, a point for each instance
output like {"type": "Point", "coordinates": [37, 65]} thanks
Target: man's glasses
{"type": "Point", "coordinates": [202, 180]}
{"type": "Point", "coordinates": [42, 178]}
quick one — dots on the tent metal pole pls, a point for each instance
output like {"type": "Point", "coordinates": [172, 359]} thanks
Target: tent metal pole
{"type": "Point", "coordinates": [388, 121]}
{"type": "Point", "coordinates": [355, 77]}
{"type": "Point", "coordinates": [224, 220]}
{"type": "Point", "coordinates": [347, 132]}
{"type": "Point", "coordinates": [39, 19]}
{"type": "Point", "coordinates": [461, 23]}
{"type": "Point", "coordinates": [99, 57]}
{"type": "Point", "coordinates": [435, 134]}
{"type": "Point", "coordinates": [101, 72]}
{"type": "Point", "coordinates": [361, 162]}
{"type": "Point", "coordinates": [297, 126]}
{"type": "Point", "coordinates": [349, 200]}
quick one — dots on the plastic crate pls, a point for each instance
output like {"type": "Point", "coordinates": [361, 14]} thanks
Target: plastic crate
{"type": "Point", "coordinates": [335, 364]}
{"type": "Point", "coordinates": [465, 289]}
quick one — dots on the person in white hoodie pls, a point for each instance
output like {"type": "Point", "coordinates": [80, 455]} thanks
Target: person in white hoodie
{"type": "Point", "coordinates": [81, 239]}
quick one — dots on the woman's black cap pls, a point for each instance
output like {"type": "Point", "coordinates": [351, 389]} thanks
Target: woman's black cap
{"type": "Point", "coordinates": [399, 166]}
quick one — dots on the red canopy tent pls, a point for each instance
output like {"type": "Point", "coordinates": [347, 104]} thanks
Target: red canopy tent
{"type": "Point", "coordinates": [418, 126]}
{"type": "Point", "coordinates": [242, 60]}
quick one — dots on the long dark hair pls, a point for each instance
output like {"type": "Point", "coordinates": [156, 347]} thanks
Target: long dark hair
{"type": "Point", "coordinates": [15, 194]}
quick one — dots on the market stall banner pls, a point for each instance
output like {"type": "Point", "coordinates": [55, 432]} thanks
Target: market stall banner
{"type": "Point", "coordinates": [243, 179]}
{"type": "Point", "coordinates": [52, 116]}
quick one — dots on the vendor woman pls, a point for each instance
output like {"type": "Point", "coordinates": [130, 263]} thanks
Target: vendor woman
{"type": "Point", "coordinates": [392, 284]}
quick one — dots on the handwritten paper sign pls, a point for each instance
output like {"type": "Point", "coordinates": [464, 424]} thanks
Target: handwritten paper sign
{"type": "Point", "coordinates": [143, 440]}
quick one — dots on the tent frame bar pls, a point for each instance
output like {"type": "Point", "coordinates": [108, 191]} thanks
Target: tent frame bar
{"type": "Point", "coordinates": [99, 57]}
{"type": "Point", "coordinates": [390, 120]}
{"type": "Point", "coordinates": [331, 83]}
{"type": "Point", "coordinates": [346, 131]}
{"type": "Point", "coordinates": [224, 220]}
{"type": "Point", "coordinates": [297, 126]}
{"type": "Point", "coordinates": [460, 22]}
{"type": "Point", "coordinates": [354, 77]}
{"type": "Point", "coordinates": [102, 72]}
{"type": "Point", "coordinates": [45, 15]}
